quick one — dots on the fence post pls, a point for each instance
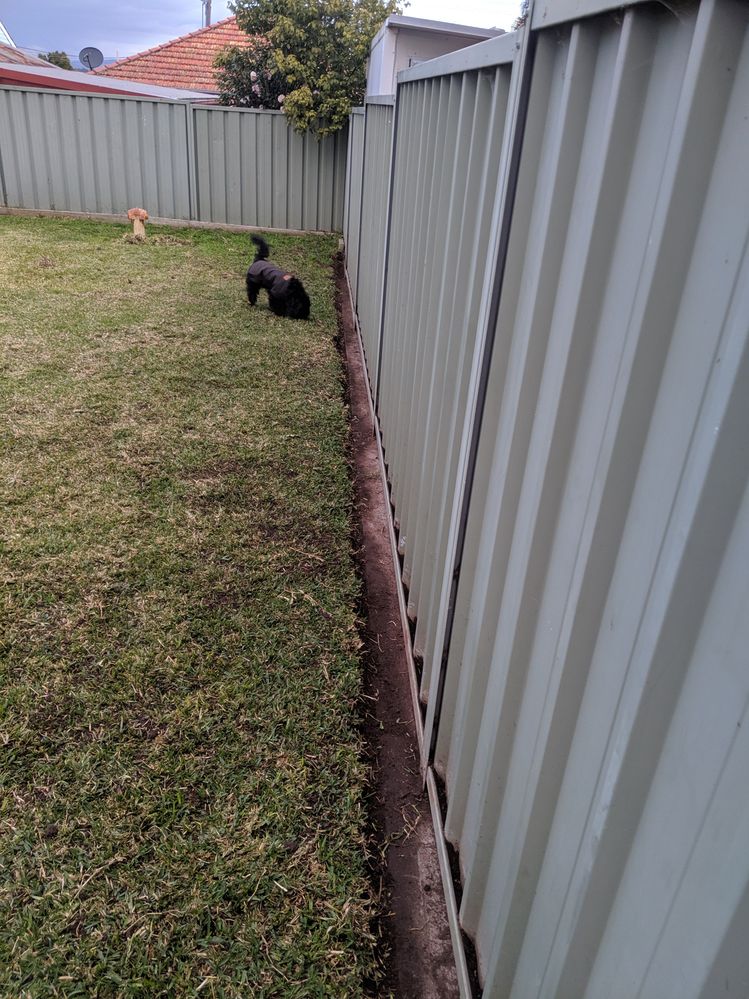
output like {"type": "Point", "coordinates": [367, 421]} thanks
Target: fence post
{"type": "Point", "coordinates": [3, 191]}
{"type": "Point", "coordinates": [361, 203]}
{"type": "Point", "coordinates": [192, 165]}
{"type": "Point", "coordinates": [347, 189]}
{"type": "Point", "coordinates": [477, 388]}
{"type": "Point", "coordinates": [386, 248]}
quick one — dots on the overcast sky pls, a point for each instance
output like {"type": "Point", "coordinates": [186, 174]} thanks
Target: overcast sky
{"type": "Point", "coordinates": [122, 27]}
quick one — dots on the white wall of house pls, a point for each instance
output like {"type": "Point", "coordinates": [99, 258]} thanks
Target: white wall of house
{"type": "Point", "coordinates": [403, 42]}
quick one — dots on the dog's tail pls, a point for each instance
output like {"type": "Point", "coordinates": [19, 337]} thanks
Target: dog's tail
{"type": "Point", "coordinates": [262, 248]}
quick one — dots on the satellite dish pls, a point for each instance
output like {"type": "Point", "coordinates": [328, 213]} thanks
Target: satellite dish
{"type": "Point", "coordinates": [90, 57]}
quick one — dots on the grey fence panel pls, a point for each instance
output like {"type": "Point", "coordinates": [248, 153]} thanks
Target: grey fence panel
{"type": "Point", "coordinates": [353, 204]}
{"type": "Point", "coordinates": [592, 727]}
{"type": "Point", "coordinates": [84, 153]}
{"type": "Point", "coordinates": [101, 154]}
{"type": "Point", "coordinates": [371, 255]}
{"type": "Point", "coordinates": [443, 191]}
{"type": "Point", "coordinates": [586, 677]}
{"type": "Point", "coordinates": [252, 168]}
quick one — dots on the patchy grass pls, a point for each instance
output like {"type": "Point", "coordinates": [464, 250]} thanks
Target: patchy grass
{"type": "Point", "coordinates": [180, 780]}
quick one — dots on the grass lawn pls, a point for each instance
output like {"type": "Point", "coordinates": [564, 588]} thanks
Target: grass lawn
{"type": "Point", "coordinates": [180, 778]}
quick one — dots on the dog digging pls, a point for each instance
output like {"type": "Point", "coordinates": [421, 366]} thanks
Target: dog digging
{"type": "Point", "coordinates": [286, 294]}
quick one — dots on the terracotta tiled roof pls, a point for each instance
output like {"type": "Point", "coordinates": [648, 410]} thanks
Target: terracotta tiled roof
{"type": "Point", "coordinates": [185, 62]}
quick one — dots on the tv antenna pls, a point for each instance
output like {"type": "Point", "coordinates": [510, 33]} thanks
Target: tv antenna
{"type": "Point", "coordinates": [90, 57]}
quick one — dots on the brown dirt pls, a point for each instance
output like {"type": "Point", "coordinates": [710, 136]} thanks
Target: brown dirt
{"type": "Point", "coordinates": [414, 926]}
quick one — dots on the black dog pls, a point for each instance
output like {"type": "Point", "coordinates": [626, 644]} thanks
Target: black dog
{"type": "Point", "coordinates": [286, 294]}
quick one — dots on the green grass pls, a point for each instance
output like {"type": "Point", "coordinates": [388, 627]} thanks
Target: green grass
{"type": "Point", "coordinates": [180, 774]}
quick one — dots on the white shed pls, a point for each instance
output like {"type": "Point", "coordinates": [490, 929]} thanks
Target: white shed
{"type": "Point", "coordinates": [402, 42]}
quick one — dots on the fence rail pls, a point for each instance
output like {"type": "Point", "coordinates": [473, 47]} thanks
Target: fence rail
{"type": "Point", "coordinates": [100, 154]}
{"type": "Point", "coordinates": [558, 349]}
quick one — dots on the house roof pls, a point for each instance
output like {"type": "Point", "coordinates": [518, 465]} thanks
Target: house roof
{"type": "Point", "coordinates": [9, 53]}
{"type": "Point", "coordinates": [185, 62]}
{"type": "Point", "coordinates": [43, 75]}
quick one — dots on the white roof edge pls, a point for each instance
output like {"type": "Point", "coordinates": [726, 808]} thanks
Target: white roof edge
{"type": "Point", "coordinates": [444, 27]}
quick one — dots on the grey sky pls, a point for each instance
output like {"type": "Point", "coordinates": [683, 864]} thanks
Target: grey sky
{"type": "Point", "coordinates": [122, 27]}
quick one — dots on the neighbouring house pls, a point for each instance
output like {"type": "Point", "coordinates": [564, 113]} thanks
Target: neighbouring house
{"type": "Point", "coordinates": [402, 42]}
{"type": "Point", "coordinates": [10, 54]}
{"type": "Point", "coordinates": [186, 62]}
{"type": "Point", "coordinates": [19, 69]}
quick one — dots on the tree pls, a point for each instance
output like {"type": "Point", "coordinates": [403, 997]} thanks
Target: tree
{"type": "Point", "coordinates": [248, 78]}
{"type": "Point", "coordinates": [522, 16]}
{"type": "Point", "coordinates": [58, 59]}
{"type": "Point", "coordinates": [320, 49]}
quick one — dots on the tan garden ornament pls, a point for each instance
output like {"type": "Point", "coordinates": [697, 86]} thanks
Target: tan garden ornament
{"type": "Point", "coordinates": [138, 217]}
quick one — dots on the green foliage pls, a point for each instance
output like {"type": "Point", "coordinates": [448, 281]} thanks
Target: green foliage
{"type": "Point", "coordinates": [522, 16]}
{"type": "Point", "coordinates": [58, 59]}
{"type": "Point", "coordinates": [320, 47]}
{"type": "Point", "coordinates": [248, 78]}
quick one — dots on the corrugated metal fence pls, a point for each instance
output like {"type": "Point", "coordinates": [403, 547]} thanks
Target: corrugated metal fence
{"type": "Point", "coordinates": [100, 154]}
{"type": "Point", "coordinates": [559, 354]}
{"type": "Point", "coordinates": [253, 169]}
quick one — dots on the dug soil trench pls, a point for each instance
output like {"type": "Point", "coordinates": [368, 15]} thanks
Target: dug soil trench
{"type": "Point", "coordinates": [414, 922]}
